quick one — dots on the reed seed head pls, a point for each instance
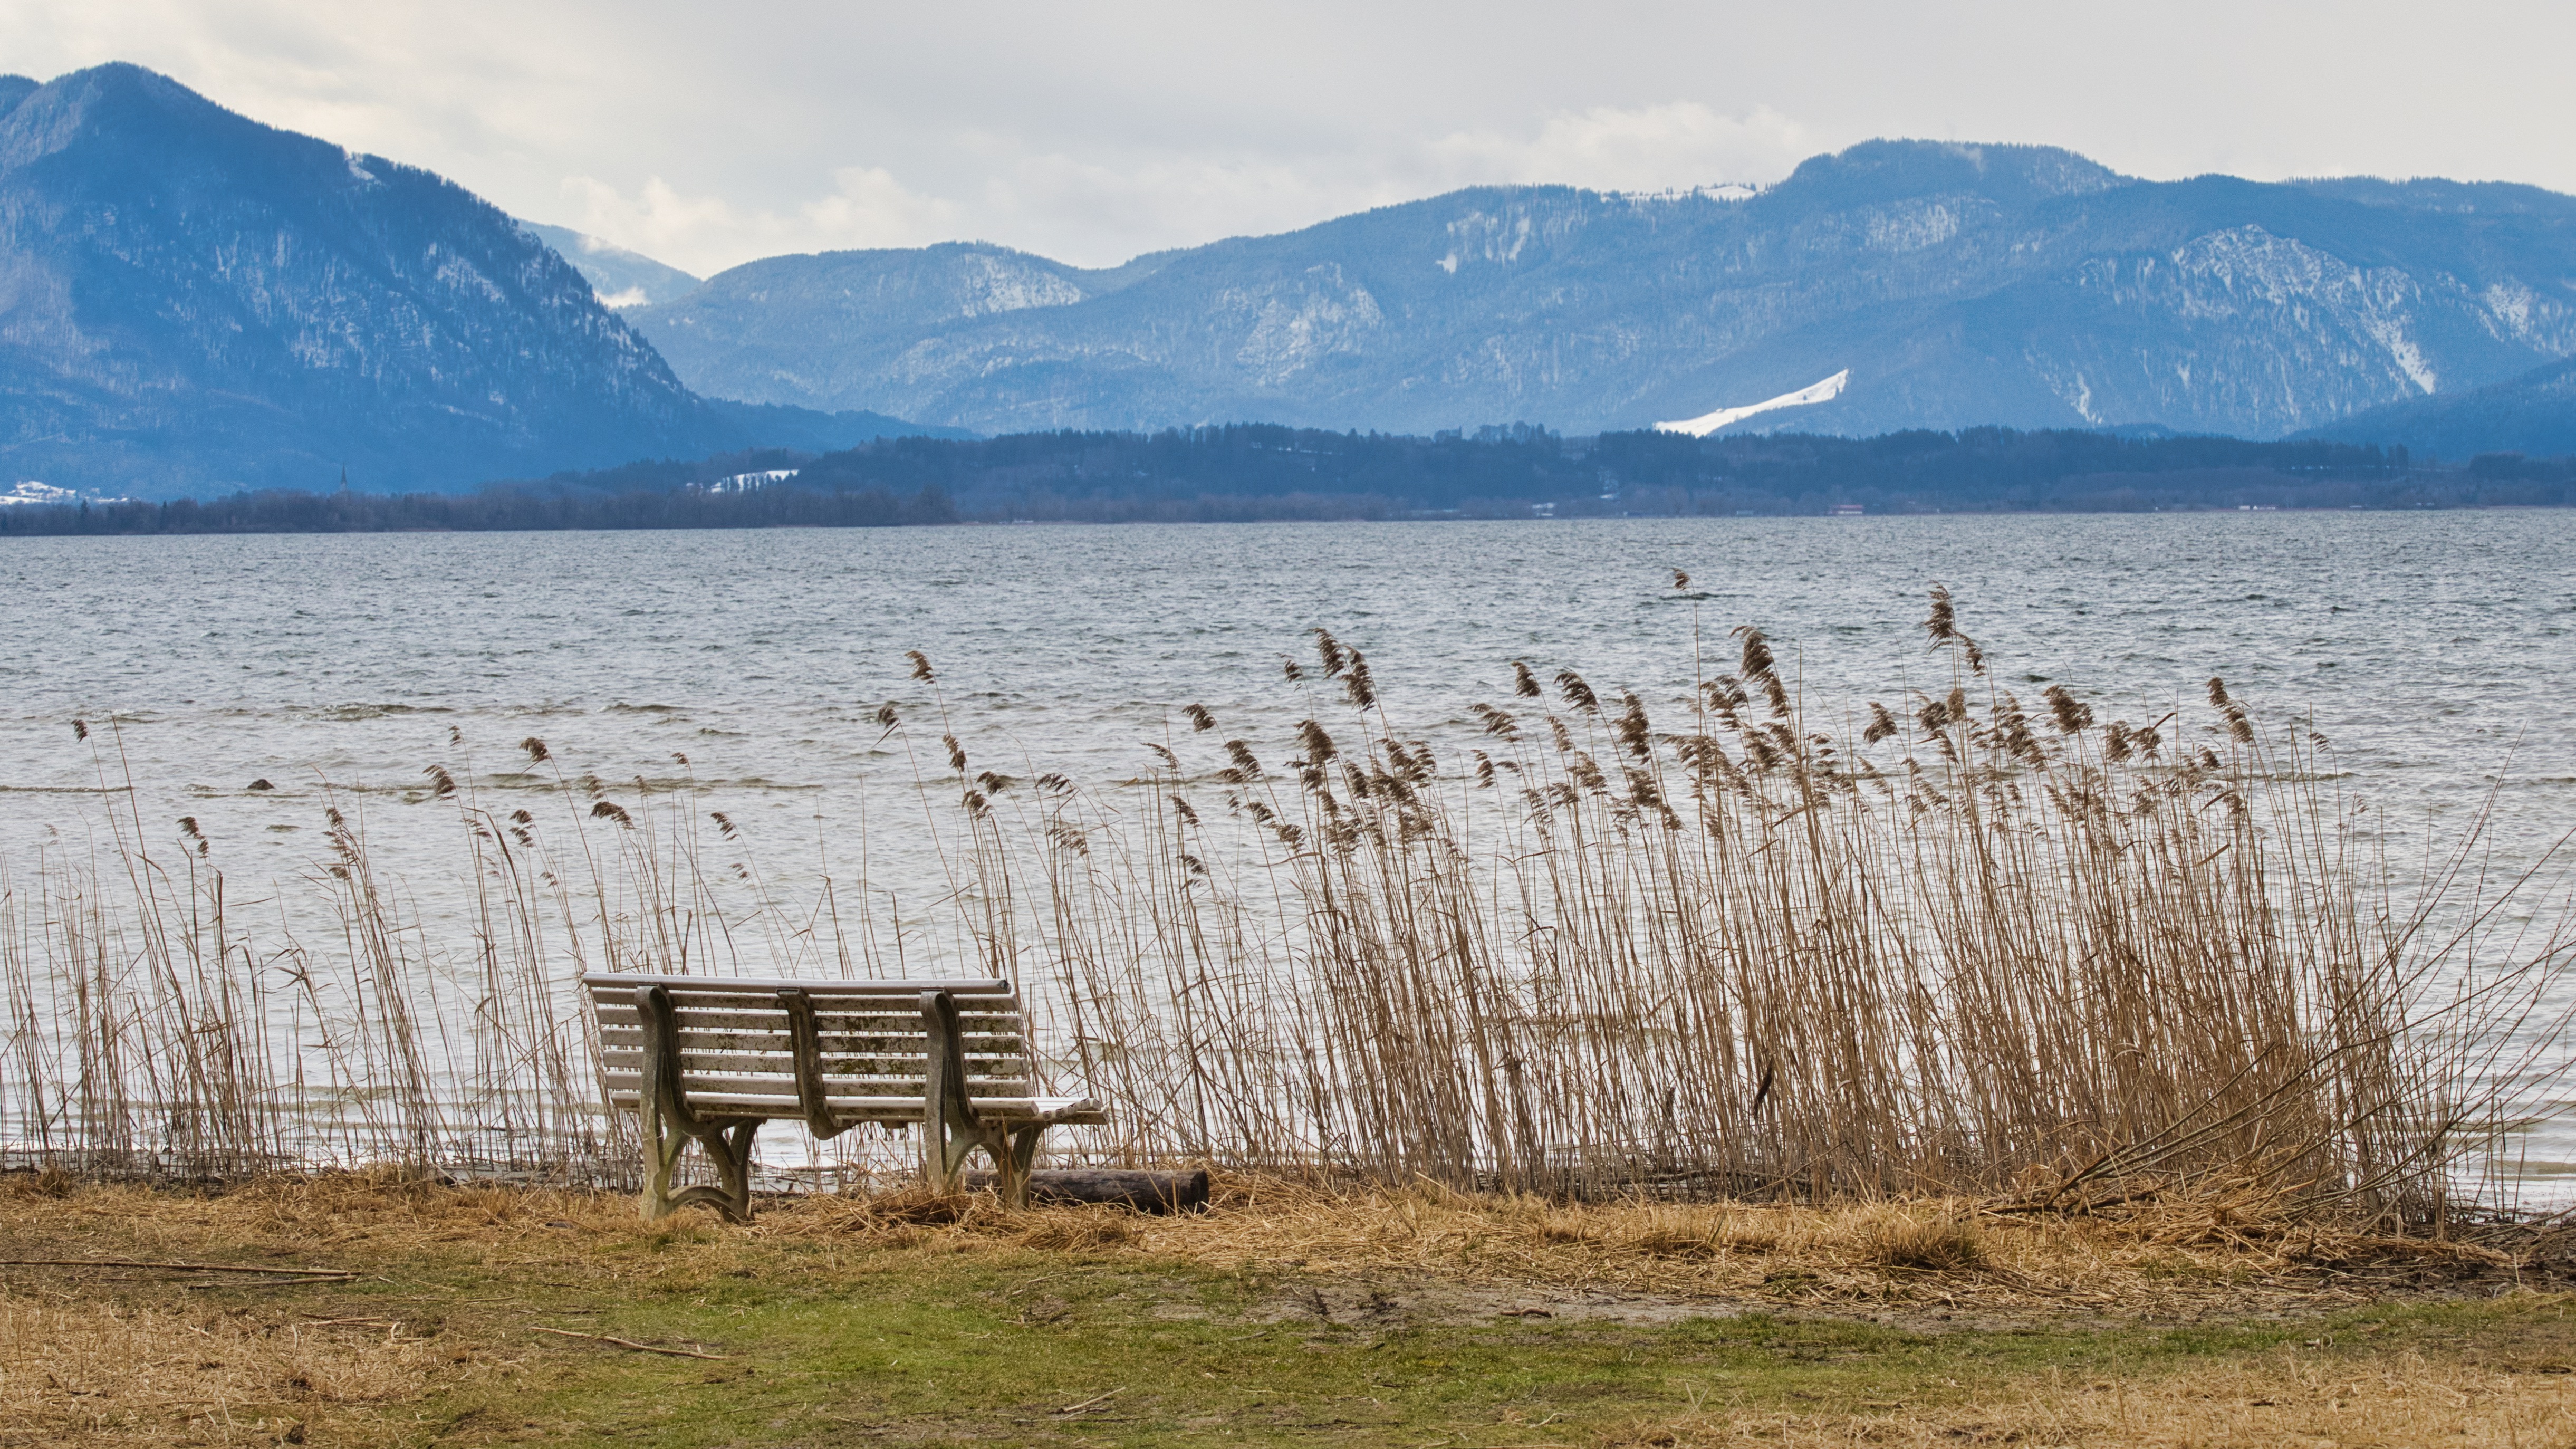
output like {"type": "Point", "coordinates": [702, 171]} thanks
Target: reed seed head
{"type": "Point", "coordinates": [1632, 727]}
{"type": "Point", "coordinates": [1312, 739]}
{"type": "Point", "coordinates": [536, 748]}
{"type": "Point", "coordinates": [1357, 684]}
{"type": "Point", "coordinates": [1329, 649]}
{"type": "Point", "coordinates": [920, 666]}
{"type": "Point", "coordinates": [2073, 715]}
{"type": "Point", "coordinates": [1576, 692]}
{"type": "Point", "coordinates": [2117, 742]}
{"type": "Point", "coordinates": [1757, 652]}
{"type": "Point", "coordinates": [1524, 683]}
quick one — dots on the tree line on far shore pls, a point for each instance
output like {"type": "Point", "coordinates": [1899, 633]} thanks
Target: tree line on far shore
{"type": "Point", "coordinates": [1255, 472]}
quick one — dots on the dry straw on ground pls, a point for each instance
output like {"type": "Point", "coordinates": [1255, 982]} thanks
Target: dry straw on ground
{"type": "Point", "coordinates": [153, 1375]}
{"type": "Point", "coordinates": [1735, 942]}
{"type": "Point", "coordinates": [2282, 1400]}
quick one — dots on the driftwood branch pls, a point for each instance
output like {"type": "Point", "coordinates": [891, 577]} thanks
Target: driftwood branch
{"type": "Point", "coordinates": [1146, 1192]}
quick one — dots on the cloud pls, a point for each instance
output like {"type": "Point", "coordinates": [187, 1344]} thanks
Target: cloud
{"type": "Point", "coordinates": [1109, 208]}
{"type": "Point", "coordinates": [867, 207]}
{"type": "Point", "coordinates": [1093, 132]}
{"type": "Point", "coordinates": [1639, 148]}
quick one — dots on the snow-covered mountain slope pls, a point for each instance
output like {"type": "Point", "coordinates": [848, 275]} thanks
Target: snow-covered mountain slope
{"type": "Point", "coordinates": [620, 278]}
{"type": "Point", "coordinates": [1805, 397]}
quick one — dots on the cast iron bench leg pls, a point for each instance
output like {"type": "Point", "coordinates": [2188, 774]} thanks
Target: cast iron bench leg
{"type": "Point", "coordinates": [950, 1131]}
{"type": "Point", "coordinates": [669, 1126]}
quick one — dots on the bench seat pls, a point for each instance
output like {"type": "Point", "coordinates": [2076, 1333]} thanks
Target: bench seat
{"type": "Point", "coordinates": [708, 1059]}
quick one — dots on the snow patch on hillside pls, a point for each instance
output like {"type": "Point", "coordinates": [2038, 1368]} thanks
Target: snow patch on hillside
{"type": "Point", "coordinates": [989, 284]}
{"type": "Point", "coordinates": [1808, 396]}
{"type": "Point", "coordinates": [1719, 191]}
{"type": "Point", "coordinates": [1298, 322]}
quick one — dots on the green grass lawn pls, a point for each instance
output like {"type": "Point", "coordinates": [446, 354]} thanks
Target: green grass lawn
{"type": "Point", "coordinates": [1046, 1349]}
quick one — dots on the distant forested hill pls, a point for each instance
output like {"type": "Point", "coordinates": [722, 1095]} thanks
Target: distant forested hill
{"type": "Point", "coordinates": [1253, 473]}
{"type": "Point", "coordinates": [2533, 414]}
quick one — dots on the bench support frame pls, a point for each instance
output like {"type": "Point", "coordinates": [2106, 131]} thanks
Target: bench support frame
{"type": "Point", "coordinates": [669, 1126]}
{"type": "Point", "coordinates": [950, 1129]}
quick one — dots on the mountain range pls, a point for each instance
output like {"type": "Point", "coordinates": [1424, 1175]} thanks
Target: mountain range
{"type": "Point", "coordinates": [194, 302]}
{"type": "Point", "coordinates": [191, 301]}
{"type": "Point", "coordinates": [1949, 285]}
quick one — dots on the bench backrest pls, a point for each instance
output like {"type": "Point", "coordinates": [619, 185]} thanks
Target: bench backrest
{"type": "Point", "coordinates": [738, 1044]}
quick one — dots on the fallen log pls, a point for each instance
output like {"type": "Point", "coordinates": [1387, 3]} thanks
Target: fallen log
{"type": "Point", "coordinates": [1146, 1192]}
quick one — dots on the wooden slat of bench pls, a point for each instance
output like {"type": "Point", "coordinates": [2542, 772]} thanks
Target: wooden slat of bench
{"type": "Point", "coordinates": [784, 1066]}
{"type": "Point", "coordinates": [838, 986]}
{"type": "Point", "coordinates": [862, 1005]}
{"type": "Point", "coordinates": [691, 1084]}
{"type": "Point", "coordinates": [998, 1003]}
{"type": "Point", "coordinates": [849, 1046]}
{"type": "Point", "coordinates": [829, 1023]}
{"type": "Point", "coordinates": [777, 1055]}
{"type": "Point", "coordinates": [767, 1009]}
{"type": "Point", "coordinates": [831, 1040]}
{"type": "Point", "coordinates": [875, 1109]}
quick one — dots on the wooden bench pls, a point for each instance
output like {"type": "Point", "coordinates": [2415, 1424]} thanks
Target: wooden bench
{"type": "Point", "coordinates": [709, 1058]}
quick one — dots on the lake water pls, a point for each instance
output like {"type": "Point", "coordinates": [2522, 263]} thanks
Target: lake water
{"type": "Point", "coordinates": [2435, 651]}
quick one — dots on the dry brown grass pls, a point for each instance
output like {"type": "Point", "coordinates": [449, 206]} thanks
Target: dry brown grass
{"type": "Point", "coordinates": [90, 1371]}
{"type": "Point", "coordinates": [2156, 1259]}
{"type": "Point", "coordinates": [2285, 1398]}
{"type": "Point", "coordinates": [1926, 1257]}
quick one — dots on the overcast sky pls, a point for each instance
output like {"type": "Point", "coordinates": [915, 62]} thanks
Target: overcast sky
{"type": "Point", "coordinates": [708, 135]}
